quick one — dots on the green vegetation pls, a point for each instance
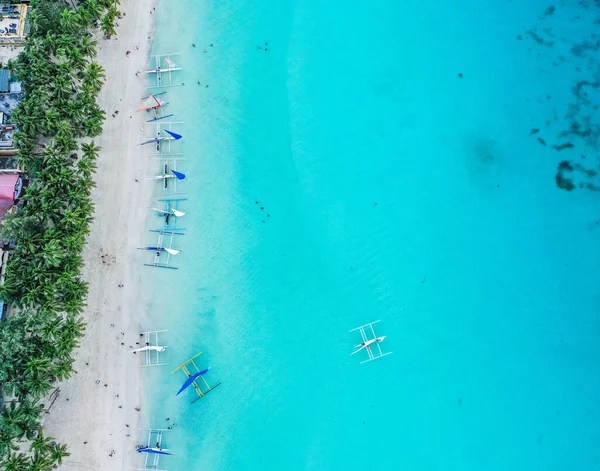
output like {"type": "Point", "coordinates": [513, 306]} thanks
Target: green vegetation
{"type": "Point", "coordinates": [43, 278]}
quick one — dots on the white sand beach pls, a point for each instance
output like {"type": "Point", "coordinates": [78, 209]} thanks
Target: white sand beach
{"type": "Point", "coordinates": [96, 413]}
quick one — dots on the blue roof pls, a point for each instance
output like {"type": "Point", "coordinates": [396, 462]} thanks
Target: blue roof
{"type": "Point", "coordinates": [4, 78]}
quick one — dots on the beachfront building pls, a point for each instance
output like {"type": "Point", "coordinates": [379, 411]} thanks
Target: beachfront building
{"type": "Point", "coordinates": [10, 96]}
{"type": "Point", "coordinates": [13, 24]}
{"type": "Point", "coordinates": [11, 189]}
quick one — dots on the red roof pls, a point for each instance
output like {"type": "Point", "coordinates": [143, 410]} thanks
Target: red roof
{"type": "Point", "coordinates": [7, 187]}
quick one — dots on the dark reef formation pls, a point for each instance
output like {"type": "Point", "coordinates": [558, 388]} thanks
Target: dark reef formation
{"type": "Point", "coordinates": [571, 175]}
{"type": "Point", "coordinates": [571, 126]}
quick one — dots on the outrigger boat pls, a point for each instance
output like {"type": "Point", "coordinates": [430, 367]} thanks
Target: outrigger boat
{"type": "Point", "coordinates": [166, 175]}
{"type": "Point", "coordinates": [160, 260]}
{"type": "Point", "coordinates": [165, 134]}
{"type": "Point", "coordinates": [167, 213]}
{"type": "Point", "coordinates": [193, 377]}
{"type": "Point", "coordinates": [158, 451]}
{"type": "Point", "coordinates": [153, 449]}
{"type": "Point", "coordinates": [367, 343]}
{"type": "Point", "coordinates": [155, 104]}
{"type": "Point", "coordinates": [171, 213]}
{"type": "Point", "coordinates": [170, 178]}
{"type": "Point", "coordinates": [157, 348]}
{"type": "Point", "coordinates": [171, 66]}
{"type": "Point", "coordinates": [151, 351]}
{"type": "Point", "coordinates": [171, 136]}
{"type": "Point", "coordinates": [160, 249]}
{"type": "Point", "coordinates": [163, 68]}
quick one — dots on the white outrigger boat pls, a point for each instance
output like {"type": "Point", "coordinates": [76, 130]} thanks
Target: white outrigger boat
{"type": "Point", "coordinates": [171, 66]}
{"type": "Point", "coordinates": [162, 251]}
{"type": "Point", "coordinates": [166, 134]}
{"type": "Point", "coordinates": [367, 343]}
{"type": "Point", "coordinates": [163, 68]}
{"type": "Point", "coordinates": [156, 348]}
{"type": "Point", "coordinates": [170, 212]}
{"type": "Point", "coordinates": [168, 173]}
{"type": "Point", "coordinates": [151, 351]}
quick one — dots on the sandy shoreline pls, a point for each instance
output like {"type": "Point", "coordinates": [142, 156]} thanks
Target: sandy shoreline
{"type": "Point", "coordinates": [104, 414]}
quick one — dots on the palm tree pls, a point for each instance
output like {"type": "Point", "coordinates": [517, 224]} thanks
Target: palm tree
{"type": "Point", "coordinates": [58, 453]}
{"type": "Point", "coordinates": [38, 386]}
{"type": "Point", "coordinates": [62, 88]}
{"type": "Point", "coordinates": [78, 59]}
{"type": "Point", "coordinates": [41, 462]}
{"type": "Point", "coordinates": [51, 329]}
{"type": "Point", "coordinates": [94, 74]}
{"type": "Point", "coordinates": [64, 138]}
{"type": "Point", "coordinates": [21, 419]}
{"type": "Point", "coordinates": [16, 462]}
{"type": "Point", "coordinates": [35, 366]}
{"type": "Point", "coordinates": [70, 21]}
{"type": "Point", "coordinates": [73, 326]}
{"type": "Point", "coordinates": [66, 42]}
{"type": "Point", "coordinates": [94, 8]}
{"type": "Point", "coordinates": [86, 18]}
{"type": "Point", "coordinates": [86, 44]}
{"type": "Point", "coordinates": [31, 412]}
{"type": "Point", "coordinates": [90, 150]}
{"type": "Point", "coordinates": [64, 369]}
{"type": "Point", "coordinates": [108, 26]}
{"type": "Point", "coordinates": [10, 418]}
{"type": "Point", "coordinates": [41, 444]}
{"type": "Point", "coordinates": [94, 126]}
{"type": "Point", "coordinates": [8, 441]}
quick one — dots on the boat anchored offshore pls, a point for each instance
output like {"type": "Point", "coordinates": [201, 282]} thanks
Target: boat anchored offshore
{"type": "Point", "coordinates": [367, 343]}
{"type": "Point", "coordinates": [193, 377]}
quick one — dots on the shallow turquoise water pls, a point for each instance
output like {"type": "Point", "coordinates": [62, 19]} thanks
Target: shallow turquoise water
{"type": "Point", "coordinates": [392, 189]}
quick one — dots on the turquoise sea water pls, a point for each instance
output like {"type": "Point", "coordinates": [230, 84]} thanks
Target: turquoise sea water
{"type": "Point", "coordinates": [349, 174]}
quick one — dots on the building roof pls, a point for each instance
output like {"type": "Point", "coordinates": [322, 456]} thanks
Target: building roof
{"type": "Point", "coordinates": [4, 79]}
{"type": "Point", "coordinates": [7, 187]}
